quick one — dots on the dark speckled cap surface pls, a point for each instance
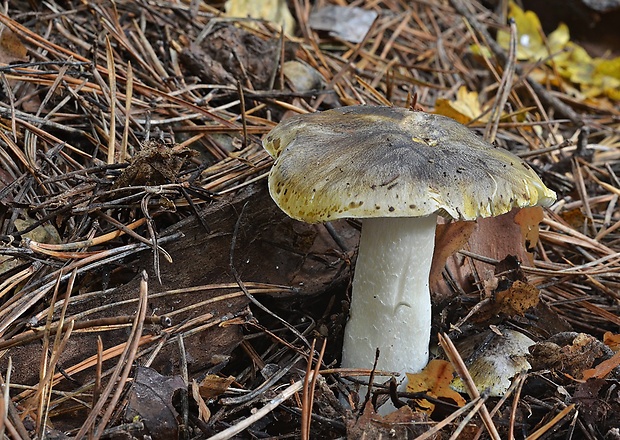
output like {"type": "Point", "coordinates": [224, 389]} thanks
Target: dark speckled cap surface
{"type": "Point", "coordinates": [365, 161]}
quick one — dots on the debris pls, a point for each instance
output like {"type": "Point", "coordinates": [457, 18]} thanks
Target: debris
{"type": "Point", "coordinates": [347, 22]}
{"type": "Point", "coordinates": [151, 400]}
{"type": "Point", "coordinates": [402, 424]}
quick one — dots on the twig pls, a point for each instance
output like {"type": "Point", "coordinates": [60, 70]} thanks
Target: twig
{"type": "Point", "coordinates": [309, 387]}
{"type": "Point", "coordinates": [467, 418]}
{"type": "Point", "coordinates": [306, 409]}
{"type": "Point", "coordinates": [262, 387]}
{"type": "Point", "coordinates": [243, 117]}
{"type": "Point", "coordinates": [551, 424]}
{"type": "Point", "coordinates": [504, 88]}
{"type": "Point", "coordinates": [121, 372]}
{"type": "Point", "coordinates": [371, 380]}
{"type": "Point", "coordinates": [5, 398]}
{"type": "Point", "coordinates": [112, 100]}
{"type": "Point", "coordinates": [129, 93]}
{"type": "Point", "coordinates": [445, 422]}
{"type": "Point", "coordinates": [273, 404]}
{"type": "Point", "coordinates": [513, 413]}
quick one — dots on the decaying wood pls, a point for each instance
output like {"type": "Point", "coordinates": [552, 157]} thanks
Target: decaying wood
{"type": "Point", "coordinates": [275, 256]}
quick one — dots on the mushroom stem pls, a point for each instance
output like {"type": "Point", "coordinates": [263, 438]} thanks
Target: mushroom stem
{"type": "Point", "coordinates": [391, 304]}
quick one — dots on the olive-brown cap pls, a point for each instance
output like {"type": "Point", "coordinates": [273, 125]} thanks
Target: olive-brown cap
{"type": "Point", "coordinates": [366, 161]}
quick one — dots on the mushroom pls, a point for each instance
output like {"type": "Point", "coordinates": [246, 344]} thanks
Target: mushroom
{"type": "Point", "coordinates": [397, 170]}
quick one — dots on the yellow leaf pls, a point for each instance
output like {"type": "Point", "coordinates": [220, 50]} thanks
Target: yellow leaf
{"type": "Point", "coordinates": [481, 51]}
{"type": "Point", "coordinates": [464, 109]}
{"type": "Point", "coordinates": [558, 38]}
{"type": "Point", "coordinates": [434, 380]}
{"type": "Point", "coordinates": [530, 44]}
{"type": "Point", "coordinates": [595, 76]}
{"type": "Point", "coordinates": [608, 67]}
{"type": "Point", "coordinates": [275, 11]}
{"type": "Point", "coordinates": [529, 40]}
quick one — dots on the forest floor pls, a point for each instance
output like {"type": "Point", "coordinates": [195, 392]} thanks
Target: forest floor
{"type": "Point", "coordinates": [149, 286]}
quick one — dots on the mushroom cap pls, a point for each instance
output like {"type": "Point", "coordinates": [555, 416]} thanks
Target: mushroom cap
{"type": "Point", "coordinates": [367, 161]}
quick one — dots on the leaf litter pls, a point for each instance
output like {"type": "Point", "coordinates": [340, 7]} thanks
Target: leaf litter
{"type": "Point", "coordinates": [131, 134]}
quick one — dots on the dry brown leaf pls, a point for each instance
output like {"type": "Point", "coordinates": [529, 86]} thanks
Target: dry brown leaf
{"type": "Point", "coordinates": [612, 340]}
{"type": "Point", "coordinates": [603, 369]}
{"type": "Point", "coordinates": [449, 239]}
{"type": "Point", "coordinates": [574, 218]}
{"type": "Point", "coordinates": [517, 299]}
{"type": "Point", "coordinates": [12, 50]}
{"type": "Point", "coordinates": [204, 413]}
{"type": "Point", "coordinates": [435, 381]}
{"type": "Point", "coordinates": [11, 47]}
{"type": "Point", "coordinates": [402, 424]}
{"type": "Point", "coordinates": [213, 385]}
{"type": "Point", "coordinates": [529, 219]}
{"type": "Point", "coordinates": [497, 238]}
{"type": "Point", "coordinates": [150, 399]}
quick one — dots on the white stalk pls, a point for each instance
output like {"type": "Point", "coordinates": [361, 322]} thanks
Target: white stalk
{"type": "Point", "coordinates": [390, 303]}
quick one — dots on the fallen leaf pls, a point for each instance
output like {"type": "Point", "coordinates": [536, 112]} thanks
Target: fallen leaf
{"type": "Point", "coordinates": [574, 217]}
{"type": "Point", "coordinates": [434, 380]}
{"type": "Point", "coordinates": [45, 233]}
{"type": "Point", "coordinates": [595, 76]}
{"type": "Point", "coordinates": [11, 47]}
{"type": "Point", "coordinates": [400, 424]}
{"type": "Point", "coordinates": [347, 22]}
{"type": "Point", "coordinates": [530, 43]}
{"type": "Point", "coordinates": [213, 385]}
{"type": "Point", "coordinates": [497, 238]}
{"type": "Point", "coordinates": [603, 369]}
{"type": "Point", "coordinates": [275, 11]}
{"type": "Point", "coordinates": [204, 413]}
{"type": "Point", "coordinates": [464, 109]}
{"type": "Point", "coordinates": [529, 219]}
{"type": "Point", "coordinates": [12, 50]}
{"type": "Point", "coordinates": [612, 340]}
{"type": "Point", "coordinates": [591, 401]}
{"type": "Point", "coordinates": [302, 77]}
{"type": "Point", "coordinates": [519, 298]}
{"type": "Point", "coordinates": [449, 239]}
{"type": "Point", "coordinates": [493, 237]}
{"type": "Point", "coordinates": [150, 398]}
